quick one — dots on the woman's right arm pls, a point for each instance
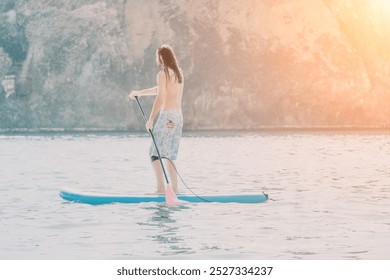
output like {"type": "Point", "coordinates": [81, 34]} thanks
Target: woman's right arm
{"type": "Point", "coordinates": [148, 91]}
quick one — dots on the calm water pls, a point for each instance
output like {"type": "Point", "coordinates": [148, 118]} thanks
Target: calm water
{"type": "Point", "coordinates": [330, 197]}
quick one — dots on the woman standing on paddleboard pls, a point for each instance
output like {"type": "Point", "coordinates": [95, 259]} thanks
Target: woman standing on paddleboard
{"type": "Point", "coordinates": [167, 104]}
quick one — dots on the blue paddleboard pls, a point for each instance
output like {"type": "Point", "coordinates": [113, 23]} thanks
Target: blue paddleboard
{"type": "Point", "coordinates": [107, 199]}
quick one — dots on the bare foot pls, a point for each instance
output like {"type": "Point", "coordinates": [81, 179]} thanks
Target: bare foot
{"type": "Point", "coordinates": [159, 191]}
{"type": "Point", "coordinates": [162, 191]}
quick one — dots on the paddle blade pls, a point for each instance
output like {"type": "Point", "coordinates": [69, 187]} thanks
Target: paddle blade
{"type": "Point", "coordinates": [170, 196]}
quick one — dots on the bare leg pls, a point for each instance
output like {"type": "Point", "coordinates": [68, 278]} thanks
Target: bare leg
{"type": "Point", "coordinates": [159, 176]}
{"type": "Point", "coordinates": [172, 175]}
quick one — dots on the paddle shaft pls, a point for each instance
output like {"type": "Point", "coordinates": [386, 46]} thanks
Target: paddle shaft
{"type": "Point", "coordinates": [154, 140]}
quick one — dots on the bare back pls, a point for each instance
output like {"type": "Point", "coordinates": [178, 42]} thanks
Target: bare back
{"type": "Point", "coordinates": [174, 93]}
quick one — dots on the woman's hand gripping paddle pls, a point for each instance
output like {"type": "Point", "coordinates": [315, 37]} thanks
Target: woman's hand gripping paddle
{"type": "Point", "coordinates": [170, 196]}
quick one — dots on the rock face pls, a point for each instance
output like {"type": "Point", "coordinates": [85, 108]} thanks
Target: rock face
{"type": "Point", "coordinates": [247, 64]}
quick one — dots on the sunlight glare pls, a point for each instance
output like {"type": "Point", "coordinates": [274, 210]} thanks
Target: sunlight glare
{"type": "Point", "coordinates": [381, 7]}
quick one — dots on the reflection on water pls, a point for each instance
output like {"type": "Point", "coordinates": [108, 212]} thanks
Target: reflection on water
{"type": "Point", "coordinates": [166, 231]}
{"type": "Point", "coordinates": [330, 197]}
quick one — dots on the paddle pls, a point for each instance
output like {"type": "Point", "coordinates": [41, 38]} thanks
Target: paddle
{"type": "Point", "coordinates": [170, 196]}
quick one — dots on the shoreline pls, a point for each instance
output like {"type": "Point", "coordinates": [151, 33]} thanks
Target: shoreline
{"type": "Point", "coordinates": [268, 129]}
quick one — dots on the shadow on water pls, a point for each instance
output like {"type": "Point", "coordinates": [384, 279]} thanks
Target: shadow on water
{"type": "Point", "coordinates": [166, 229]}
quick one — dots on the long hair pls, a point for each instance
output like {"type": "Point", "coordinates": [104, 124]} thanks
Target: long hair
{"type": "Point", "coordinates": [168, 60]}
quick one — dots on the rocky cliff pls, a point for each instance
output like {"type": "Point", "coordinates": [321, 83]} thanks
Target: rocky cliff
{"type": "Point", "coordinates": [247, 63]}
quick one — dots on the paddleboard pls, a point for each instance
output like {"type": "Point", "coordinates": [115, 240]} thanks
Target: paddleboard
{"type": "Point", "coordinates": [98, 199]}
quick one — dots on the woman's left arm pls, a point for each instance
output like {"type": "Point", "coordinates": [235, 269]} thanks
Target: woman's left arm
{"type": "Point", "coordinates": [158, 102]}
{"type": "Point", "coordinates": [148, 91]}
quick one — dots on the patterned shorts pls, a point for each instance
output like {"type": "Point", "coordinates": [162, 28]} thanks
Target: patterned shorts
{"type": "Point", "coordinates": [167, 133]}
